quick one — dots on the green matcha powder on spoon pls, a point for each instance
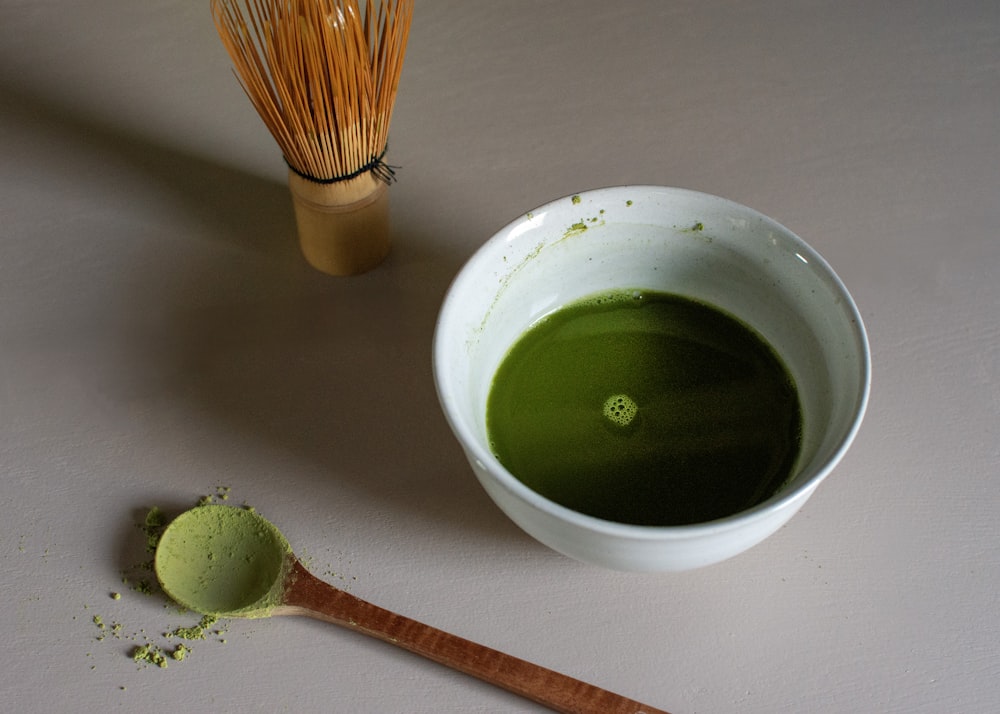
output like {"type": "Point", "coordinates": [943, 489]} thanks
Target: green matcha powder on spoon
{"type": "Point", "coordinates": [232, 562]}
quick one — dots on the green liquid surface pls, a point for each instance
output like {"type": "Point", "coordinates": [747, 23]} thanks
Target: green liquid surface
{"type": "Point", "coordinates": [645, 408]}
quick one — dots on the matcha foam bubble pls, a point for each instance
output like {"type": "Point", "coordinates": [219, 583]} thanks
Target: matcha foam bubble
{"type": "Point", "coordinates": [620, 409]}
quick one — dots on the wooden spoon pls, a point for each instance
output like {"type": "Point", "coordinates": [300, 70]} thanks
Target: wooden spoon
{"type": "Point", "coordinates": [232, 562]}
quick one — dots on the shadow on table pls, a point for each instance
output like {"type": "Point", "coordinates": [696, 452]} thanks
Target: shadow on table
{"type": "Point", "coordinates": [333, 373]}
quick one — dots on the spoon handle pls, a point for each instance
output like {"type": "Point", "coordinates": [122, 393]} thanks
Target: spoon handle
{"type": "Point", "coordinates": [305, 594]}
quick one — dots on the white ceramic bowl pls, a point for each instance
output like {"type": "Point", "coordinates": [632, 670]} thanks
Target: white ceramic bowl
{"type": "Point", "coordinates": [674, 241]}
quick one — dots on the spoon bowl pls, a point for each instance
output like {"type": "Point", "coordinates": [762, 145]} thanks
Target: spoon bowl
{"type": "Point", "coordinates": [232, 562]}
{"type": "Point", "coordinates": [221, 560]}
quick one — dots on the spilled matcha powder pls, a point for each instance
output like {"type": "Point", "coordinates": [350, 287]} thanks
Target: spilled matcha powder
{"type": "Point", "coordinates": [159, 649]}
{"type": "Point", "coordinates": [149, 654]}
{"type": "Point", "coordinates": [195, 632]}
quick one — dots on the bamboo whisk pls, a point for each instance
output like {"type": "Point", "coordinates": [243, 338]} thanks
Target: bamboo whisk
{"type": "Point", "coordinates": [323, 76]}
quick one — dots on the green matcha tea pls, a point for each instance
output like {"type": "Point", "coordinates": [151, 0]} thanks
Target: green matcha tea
{"type": "Point", "coordinates": [646, 408]}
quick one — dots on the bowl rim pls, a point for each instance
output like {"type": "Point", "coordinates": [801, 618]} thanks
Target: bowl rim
{"type": "Point", "coordinates": [637, 532]}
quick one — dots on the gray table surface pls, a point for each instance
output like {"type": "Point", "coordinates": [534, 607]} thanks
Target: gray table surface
{"type": "Point", "coordinates": [162, 338]}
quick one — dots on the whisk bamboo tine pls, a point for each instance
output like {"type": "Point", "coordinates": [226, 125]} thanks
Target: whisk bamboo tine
{"type": "Point", "coordinates": [323, 76]}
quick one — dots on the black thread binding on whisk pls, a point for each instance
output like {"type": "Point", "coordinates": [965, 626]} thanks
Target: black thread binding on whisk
{"type": "Point", "coordinates": [383, 171]}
